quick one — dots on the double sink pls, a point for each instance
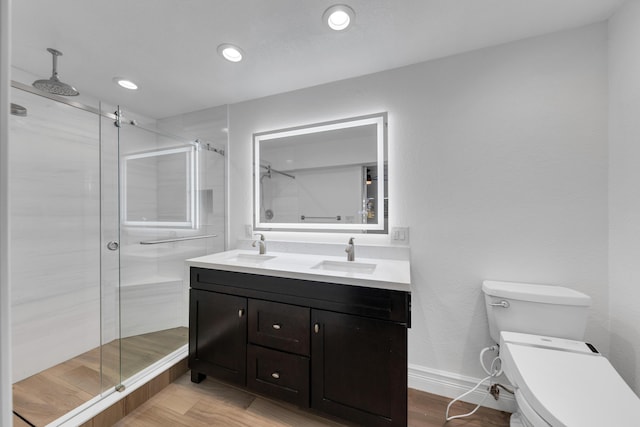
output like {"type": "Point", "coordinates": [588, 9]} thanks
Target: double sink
{"type": "Point", "coordinates": [369, 272]}
{"type": "Point", "coordinates": [324, 265]}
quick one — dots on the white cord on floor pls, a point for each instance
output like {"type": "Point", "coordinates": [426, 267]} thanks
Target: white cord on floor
{"type": "Point", "coordinates": [493, 372]}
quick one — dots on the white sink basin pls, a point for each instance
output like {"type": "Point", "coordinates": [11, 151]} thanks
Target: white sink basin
{"type": "Point", "coordinates": [250, 258]}
{"type": "Point", "coordinates": [346, 266]}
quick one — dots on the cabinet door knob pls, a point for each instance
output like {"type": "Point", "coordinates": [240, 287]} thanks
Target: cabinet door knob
{"type": "Point", "coordinates": [276, 375]}
{"type": "Point", "coordinates": [316, 328]}
{"type": "Point", "coordinates": [276, 326]}
{"type": "Point", "coordinates": [241, 312]}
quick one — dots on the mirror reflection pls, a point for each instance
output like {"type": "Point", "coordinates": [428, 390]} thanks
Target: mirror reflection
{"type": "Point", "coordinates": [322, 177]}
{"type": "Point", "coordinates": [153, 181]}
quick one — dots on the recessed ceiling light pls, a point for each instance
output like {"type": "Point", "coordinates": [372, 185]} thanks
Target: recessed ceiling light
{"type": "Point", "coordinates": [338, 17]}
{"type": "Point", "coordinates": [230, 52]}
{"type": "Point", "coordinates": [125, 83]}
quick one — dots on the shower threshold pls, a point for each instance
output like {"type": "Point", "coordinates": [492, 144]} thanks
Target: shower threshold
{"type": "Point", "coordinates": [54, 392]}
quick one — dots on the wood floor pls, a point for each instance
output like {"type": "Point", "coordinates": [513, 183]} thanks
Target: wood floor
{"type": "Point", "coordinates": [48, 395]}
{"type": "Point", "coordinates": [212, 403]}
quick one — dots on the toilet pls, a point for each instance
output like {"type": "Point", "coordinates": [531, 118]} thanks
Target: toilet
{"type": "Point", "coordinates": [558, 379]}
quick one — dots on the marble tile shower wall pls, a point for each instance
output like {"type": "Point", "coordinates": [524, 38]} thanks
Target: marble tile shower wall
{"type": "Point", "coordinates": [326, 192]}
{"type": "Point", "coordinates": [151, 293]}
{"type": "Point", "coordinates": [209, 125]}
{"type": "Point", "coordinates": [55, 214]}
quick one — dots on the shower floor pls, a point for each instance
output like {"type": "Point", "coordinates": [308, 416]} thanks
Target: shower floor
{"type": "Point", "coordinates": [47, 395]}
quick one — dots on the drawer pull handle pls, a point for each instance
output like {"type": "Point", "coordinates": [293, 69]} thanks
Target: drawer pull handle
{"type": "Point", "coordinates": [276, 375]}
{"type": "Point", "coordinates": [316, 328]}
{"type": "Point", "coordinates": [276, 326]}
{"type": "Point", "coordinates": [241, 312]}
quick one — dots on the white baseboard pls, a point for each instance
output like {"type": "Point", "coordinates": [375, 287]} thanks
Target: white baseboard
{"type": "Point", "coordinates": [452, 385]}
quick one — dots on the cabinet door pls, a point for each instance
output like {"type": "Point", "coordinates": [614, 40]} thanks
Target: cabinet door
{"type": "Point", "coordinates": [217, 336]}
{"type": "Point", "coordinates": [359, 368]}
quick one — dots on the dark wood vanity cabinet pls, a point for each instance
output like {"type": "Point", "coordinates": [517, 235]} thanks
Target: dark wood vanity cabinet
{"type": "Point", "coordinates": [359, 369]}
{"type": "Point", "coordinates": [217, 336]}
{"type": "Point", "coordinates": [337, 349]}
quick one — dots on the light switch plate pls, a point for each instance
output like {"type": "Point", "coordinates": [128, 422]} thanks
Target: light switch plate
{"type": "Point", "coordinates": [400, 235]}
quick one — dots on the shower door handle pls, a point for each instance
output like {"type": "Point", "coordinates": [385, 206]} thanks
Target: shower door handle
{"type": "Point", "coordinates": [113, 245]}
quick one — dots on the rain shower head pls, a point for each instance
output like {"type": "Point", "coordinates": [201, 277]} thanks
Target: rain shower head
{"type": "Point", "coordinates": [53, 84]}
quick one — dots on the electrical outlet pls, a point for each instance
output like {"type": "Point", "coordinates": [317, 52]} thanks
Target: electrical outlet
{"type": "Point", "coordinates": [248, 231]}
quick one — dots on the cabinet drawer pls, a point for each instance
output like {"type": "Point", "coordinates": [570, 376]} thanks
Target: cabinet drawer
{"type": "Point", "coordinates": [279, 326]}
{"type": "Point", "coordinates": [278, 374]}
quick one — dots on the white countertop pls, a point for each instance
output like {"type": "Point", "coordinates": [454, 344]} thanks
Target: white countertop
{"type": "Point", "coordinates": [387, 274]}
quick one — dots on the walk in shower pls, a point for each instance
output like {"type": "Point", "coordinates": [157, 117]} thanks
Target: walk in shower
{"type": "Point", "coordinates": [104, 211]}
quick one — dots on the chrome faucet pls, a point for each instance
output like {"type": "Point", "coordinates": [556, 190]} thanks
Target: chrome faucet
{"type": "Point", "coordinates": [351, 250]}
{"type": "Point", "coordinates": [262, 245]}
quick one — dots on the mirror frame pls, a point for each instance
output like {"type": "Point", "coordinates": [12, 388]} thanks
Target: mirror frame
{"type": "Point", "coordinates": [191, 202]}
{"type": "Point", "coordinates": [379, 119]}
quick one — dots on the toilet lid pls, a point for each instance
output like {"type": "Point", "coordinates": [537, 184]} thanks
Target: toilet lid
{"type": "Point", "coordinates": [568, 388]}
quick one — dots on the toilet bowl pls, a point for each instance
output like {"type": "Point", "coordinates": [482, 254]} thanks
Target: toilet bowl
{"type": "Point", "coordinates": [558, 379]}
{"type": "Point", "coordinates": [561, 382]}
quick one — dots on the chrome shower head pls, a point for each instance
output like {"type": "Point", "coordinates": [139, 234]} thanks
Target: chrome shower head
{"type": "Point", "coordinates": [53, 84]}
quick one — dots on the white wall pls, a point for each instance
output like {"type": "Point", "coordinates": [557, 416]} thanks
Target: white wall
{"type": "Point", "coordinates": [5, 295]}
{"type": "Point", "coordinates": [624, 179]}
{"type": "Point", "coordinates": [497, 163]}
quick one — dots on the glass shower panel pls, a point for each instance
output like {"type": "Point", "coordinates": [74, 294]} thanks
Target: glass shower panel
{"type": "Point", "coordinates": [110, 255]}
{"type": "Point", "coordinates": [55, 257]}
{"type": "Point", "coordinates": [167, 215]}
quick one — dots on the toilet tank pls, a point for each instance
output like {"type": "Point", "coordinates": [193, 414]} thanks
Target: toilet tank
{"type": "Point", "coordinates": [548, 310]}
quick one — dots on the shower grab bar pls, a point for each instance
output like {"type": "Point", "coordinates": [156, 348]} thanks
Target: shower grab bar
{"type": "Point", "coordinates": [177, 239]}
{"type": "Point", "coordinates": [337, 217]}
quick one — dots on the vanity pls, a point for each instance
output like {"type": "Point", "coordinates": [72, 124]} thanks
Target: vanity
{"type": "Point", "coordinates": [317, 331]}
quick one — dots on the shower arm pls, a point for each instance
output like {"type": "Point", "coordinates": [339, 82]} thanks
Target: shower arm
{"type": "Point", "coordinates": [54, 72]}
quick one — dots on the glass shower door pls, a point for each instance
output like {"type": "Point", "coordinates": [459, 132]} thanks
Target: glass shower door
{"type": "Point", "coordinates": [61, 341]}
{"type": "Point", "coordinates": [166, 216]}
{"type": "Point", "coordinates": [109, 251]}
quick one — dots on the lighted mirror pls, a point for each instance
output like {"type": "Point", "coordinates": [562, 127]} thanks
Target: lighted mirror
{"type": "Point", "coordinates": [329, 176]}
{"type": "Point", "coordinates": [159, 188]}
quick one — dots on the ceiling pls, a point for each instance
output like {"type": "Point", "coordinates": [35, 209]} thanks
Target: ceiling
{"type": "Point", "coordinates": [169, 46]}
